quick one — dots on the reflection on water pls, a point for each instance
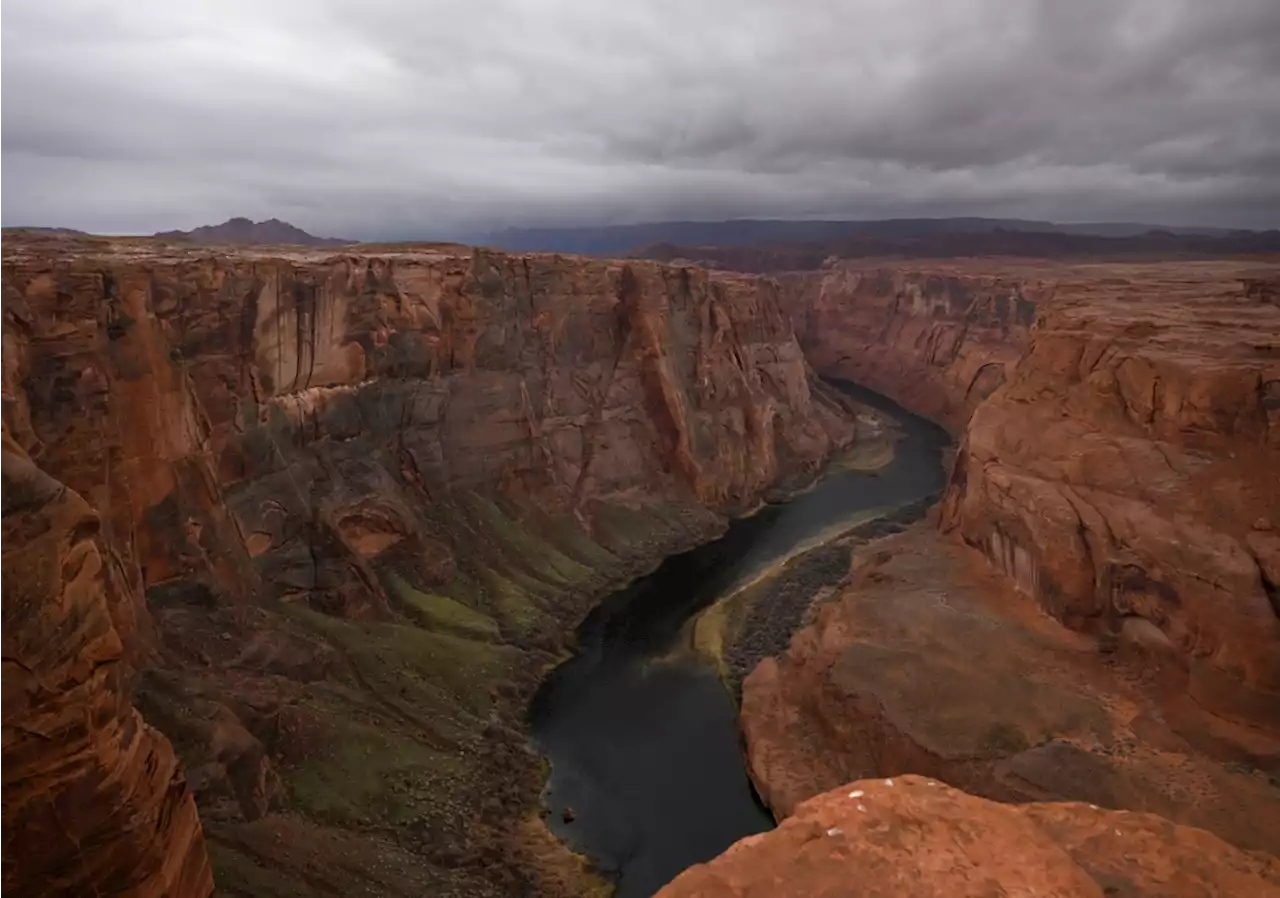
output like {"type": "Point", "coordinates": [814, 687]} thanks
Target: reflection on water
{"type": "Point", "coordinates": [648, 755]}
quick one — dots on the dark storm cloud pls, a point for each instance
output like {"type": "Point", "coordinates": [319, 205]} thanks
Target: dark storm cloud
{"type": "Point", "coordinates": [391, 117]}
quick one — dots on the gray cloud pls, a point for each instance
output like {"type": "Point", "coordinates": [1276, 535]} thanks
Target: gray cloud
{"type": "Point", "coordinates": [395, 118]}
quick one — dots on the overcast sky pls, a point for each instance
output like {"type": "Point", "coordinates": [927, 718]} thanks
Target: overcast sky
{"type": "Point", "coordinates": [366, 118]}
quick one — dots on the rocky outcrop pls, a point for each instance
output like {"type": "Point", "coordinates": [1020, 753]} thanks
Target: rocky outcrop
{"type": "Point", "coordinates": [366, 496]}
{"type": "Point", "coordinates": [94, 801]}
{"type": "Point", "coordinates": [926, 662]}
{"type": "Point", "coordinates": [1125, 476]}
{"type": "Point", "coordinates": [938, 338]}
{"type": "Point", "coordinates": [1121, 479]}
{"type": "Point", "coordinates": [917, 838]}
{"type": "Point", "coordinates": [1120, 470]}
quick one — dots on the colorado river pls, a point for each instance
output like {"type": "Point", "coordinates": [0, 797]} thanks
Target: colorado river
{"type": "Point", "coordinates": [645, 748]}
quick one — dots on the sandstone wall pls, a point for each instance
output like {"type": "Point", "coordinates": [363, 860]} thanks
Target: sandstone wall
{"type": "Point", "coordinates": [94, 801]}
{"type": "Point", "coordinates": [227, 414]}
{"type": "Point", "coordinates": [937, 337]}
{"type": "Point", "coordinates": [1126, 476]}
{"type": "Point", "coordinates": [357, 501]}
{"type": "Point", "coordinates": [1122, 471]}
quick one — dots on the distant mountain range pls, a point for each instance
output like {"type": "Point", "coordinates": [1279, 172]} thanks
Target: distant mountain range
{"type": "Point", "coordinates": [618, 239]}
{"type": "Point", "coordinates": [272, 232]}
{"type": "Point", "coordinates": [779, 256]}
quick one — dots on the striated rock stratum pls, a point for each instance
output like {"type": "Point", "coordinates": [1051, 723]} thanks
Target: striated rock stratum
{"type": "Point", "coordinates": [1118, 459]}
{"type": "Point", "coordinates": [355, 501]}
{"type": "Point", "coordinates": [94, 801]}
{"type": "Point", "coordinates": [912, 837]}
{"type": "Point", "coordinates": [1091, 616]}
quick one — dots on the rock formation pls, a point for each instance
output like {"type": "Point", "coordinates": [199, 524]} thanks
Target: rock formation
{"type": "Point", "coordinates": [366, 496]}
{"type": "Point", "coordinates": [927, 662]}
{"type": "Point", "coordinates": [938, 339]}
{"type": "Point", "coordinates": [1126, 477]}
{"type": "Point", "coordinates": [94, 801]}
{"type": "Point", "coordinates": [916, 838]}
{"type": "Point", "coordinates": [1120, 476]}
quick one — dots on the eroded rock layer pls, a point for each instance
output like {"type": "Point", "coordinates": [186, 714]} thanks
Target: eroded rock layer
{"type": "Point", "coordinates": [917, 838]}
{"type": "Point", "coordinates": [94, 801]}
{"type": "Point", "coordinates": [366, 496]}
{"type": "Point", "coordinates": [1128, 475]}
{"type": "Point", "coordinates": [1122, 477]}
{"type": "Point", "coordinates": [937, 337]}
{"type": "Point", "coordinates": [1123, 470]}
{"type": "Point", "coordinates": [926, 662]}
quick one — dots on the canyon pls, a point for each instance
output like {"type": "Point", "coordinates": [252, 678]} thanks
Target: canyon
{"type": "Point", "coordinates": [325, 518]}
{"type": "Point", "coordinates": [1090, 615]}
{"type": "Point", "coordinates": [351, 506]}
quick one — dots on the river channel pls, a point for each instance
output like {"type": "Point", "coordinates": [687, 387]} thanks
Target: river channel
{"type": "Point", "coordinates": [643, 743]}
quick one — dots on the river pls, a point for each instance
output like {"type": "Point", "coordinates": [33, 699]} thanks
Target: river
{"type": "Point", "coordinates": [644, 745]}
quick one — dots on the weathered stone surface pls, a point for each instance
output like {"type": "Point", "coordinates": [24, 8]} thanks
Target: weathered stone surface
{"type": "Point", "coordinates": [927, 662]}
{"type": "Point", "coordinates": [1126, 475]}
{"type": "Point", "coordinates": [938, 337]}
{"type": "Point", "coordinates": [94, 801]}
{"type": "Point", "coordinates": [912, 837]}
{"type": "Point", "coordinates": [1123, 470]}
{"type": "Point", "coordinates": [366, 495]}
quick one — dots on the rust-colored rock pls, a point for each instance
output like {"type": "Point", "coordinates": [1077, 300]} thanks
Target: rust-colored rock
{"type": "Point", "coordinates": [927, 662]}
{"type": "Point", "coordinates": [912, 837]}
{"type": "Point", "coordinates": [938, 337]}
{"type": "Point", "coordinates": [1126, 476]}
{"type": "Point", "coordinates": [1123, 470]}
{"type": "Point", "coordinates": [94, 801]}
{"type": "Point", "coordinates": [366, 494]}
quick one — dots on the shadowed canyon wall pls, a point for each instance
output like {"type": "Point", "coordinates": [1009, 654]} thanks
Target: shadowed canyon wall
{"type": "Point", "coordinates": [355, 503]}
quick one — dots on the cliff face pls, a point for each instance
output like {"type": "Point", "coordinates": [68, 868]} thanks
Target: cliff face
{"type": "Point", "coordinates": [94, 802]}
{"type": "Point", "coordinates": [1125, 477]}
{"type": "Point", "coordinates": [912, 838]}
{"type": "Point", "coordinates": [1119, 470]}
{"type": "Point", "coordinates": [1122, 479]}
{"type": "Point", "coordinates": [365, 497]}
{"type": "Point", "coordinates": [939, 339]}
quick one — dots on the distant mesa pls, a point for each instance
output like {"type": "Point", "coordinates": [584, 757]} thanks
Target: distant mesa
{"type": "Point", "coordinates": [242, 231]}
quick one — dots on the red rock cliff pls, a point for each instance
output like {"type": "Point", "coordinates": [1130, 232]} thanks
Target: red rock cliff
{"type": "Point", "coordinates": [1126, 475]}
{"type": "Point", "coordinates": [365, 495]}
{"type": "Point", "coordinates": [94, 802]}
{"type": "Point", "coordinates": [1122, 479]}
{"type": "Point", "coordinates": [938, 337]}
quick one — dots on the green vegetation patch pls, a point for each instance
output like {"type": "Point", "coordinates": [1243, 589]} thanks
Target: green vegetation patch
{"type": "Point", "coordinates": [368, 773]}
{"type": "Point", "coordinates": [442, 613]}
{"type": "Point", "coordinates": [430, 676]}
{"type": "Point", "coordinates": [518, 544]}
